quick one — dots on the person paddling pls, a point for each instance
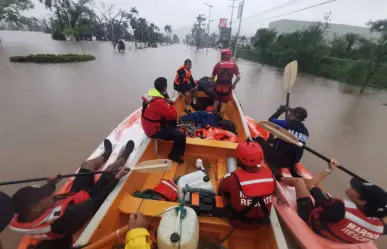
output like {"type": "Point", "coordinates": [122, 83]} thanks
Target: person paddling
{"type": "Point", "coordinates": [54, 218]}
{"type": "Point", "coordinates": [360, 219]}
{"type": "Point", "coordinates": [284, 154]}
{"type": "Point", "coordinates": [159, 117]}
{"type": "Point", "coordinates": [249, 190]}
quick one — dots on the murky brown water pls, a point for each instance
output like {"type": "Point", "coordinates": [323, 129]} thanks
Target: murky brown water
{"type": "Point", "coordinates": [53, 116]}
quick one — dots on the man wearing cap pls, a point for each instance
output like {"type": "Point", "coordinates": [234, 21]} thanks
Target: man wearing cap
{"type": "Point", "coordinates": [353, 221]}
{"type": "Point", "coordinates": [54, 218]}
{"type": "Point", "coordinates": [284, 154]}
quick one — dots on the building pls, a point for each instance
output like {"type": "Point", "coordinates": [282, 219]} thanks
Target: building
{"type": "Point", "coordinates": [289, 26]}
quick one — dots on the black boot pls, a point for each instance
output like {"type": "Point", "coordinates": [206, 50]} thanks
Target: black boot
{"type": "Point", "coordinates": [108, 149]}
{"type": "Point", "coordinates": [129, 147]}
{"type": "Point", "coordinates": [175, 158]}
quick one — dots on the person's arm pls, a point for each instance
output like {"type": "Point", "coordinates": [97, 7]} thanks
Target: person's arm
{"type": "Point", "coordinates": [238, 76]}
{"type": "Point", "coordinates": [277, 194]}
{"type": "Point", "coordinates": [274, 118]}
{"type": "Point", "coordinates": [168, 111]}
{"type": "Point", "coordinates": [385, 226]}
{"type": "Point", "coordinates": [138, 235]}
{"type": "Point", "coordinates": [320, 177]}
{"type": "Point", "coordinates": [214, 72]}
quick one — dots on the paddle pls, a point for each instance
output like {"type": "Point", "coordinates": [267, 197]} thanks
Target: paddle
{"type": "Point", "coordinates": [290, 138]}
{"type": "Point", "coordinates": [149, 166]}
{"type": "Point", "coordinates": [290, 75]}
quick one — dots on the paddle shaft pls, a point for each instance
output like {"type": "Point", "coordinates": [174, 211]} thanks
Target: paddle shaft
{"type": "Point", "coordinates": [287, 103]}
{"type": "Point", "coordinates": [329, 160]}
{"type": "Point", "coordinates": [61, 176]}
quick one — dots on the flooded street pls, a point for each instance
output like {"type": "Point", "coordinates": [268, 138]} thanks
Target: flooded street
{"type": "Point", "coordinates": [54, 116]}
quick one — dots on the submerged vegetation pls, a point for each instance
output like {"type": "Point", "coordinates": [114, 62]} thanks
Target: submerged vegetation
{"type": "Point", "coordinates": [352, 58]}
{"type": "Point", "coordinates": [52, 58]}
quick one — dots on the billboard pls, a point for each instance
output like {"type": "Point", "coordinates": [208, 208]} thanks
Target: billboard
{"type": "Point", "coordinates": [224, 34]}
{"type": "Point", "coordinates": [223, 23]}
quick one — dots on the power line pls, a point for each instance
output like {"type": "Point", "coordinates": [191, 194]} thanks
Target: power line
{"type": "Point", "coordinates": [277, 7]}
{"type": "Point", "coordinates": [306, 8]}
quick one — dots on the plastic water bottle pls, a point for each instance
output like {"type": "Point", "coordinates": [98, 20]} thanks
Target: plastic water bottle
{"type": "Point", "coordinates": [199, 164]}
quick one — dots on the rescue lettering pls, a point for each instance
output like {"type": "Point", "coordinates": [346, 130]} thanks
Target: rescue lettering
{"type": "Point", "coordinates": [302, 137]}
{"type": "Point", "coordinates": [245, 201]}
{"type": "Point", "coordinates": [358, 233]}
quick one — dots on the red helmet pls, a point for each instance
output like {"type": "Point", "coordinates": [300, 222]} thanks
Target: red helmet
{"type": "Point", "coordinates": [226, 53]}
{"type": "Point", "coordinates": [249, 153]}
{"type": "Point", "coordinates": [209, 109]}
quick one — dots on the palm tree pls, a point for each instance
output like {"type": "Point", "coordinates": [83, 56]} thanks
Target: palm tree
{"type": "Point", "coordinates": [134, 11]}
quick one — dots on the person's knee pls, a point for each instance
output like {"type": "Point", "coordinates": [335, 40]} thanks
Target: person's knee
{"type": "Point", "coordinates": [85, 165]}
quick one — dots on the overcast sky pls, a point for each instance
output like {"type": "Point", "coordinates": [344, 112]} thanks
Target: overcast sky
{"type": "Point", "coordinates": [181, 14]}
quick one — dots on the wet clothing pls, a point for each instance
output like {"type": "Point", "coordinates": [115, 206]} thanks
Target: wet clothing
{"type": "Point", "coordinates": [77, 215]}
{"type": "Point", "coordinates": [224, 72]}
{"type": "Point", "coordinates": [338, 220]}
{"type": "Point", "coordinates": [138, 238]}
{"type": "Point", "coordinates": [249, 196]}
{"type": "Point", "coordinates": [184, 81]}
{"type": "Point", "coordinates": [156, 113]}
{"type": "Point", "coordinates": [158, 120]}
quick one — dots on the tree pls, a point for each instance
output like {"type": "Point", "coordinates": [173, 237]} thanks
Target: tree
{"type": "Point", "coordinates": [10, 11]}
{"type": "Point", "coordinates": [264, 37]}
{"type": "Point", "coordinates": [176, 39]}
{"type": "Point", "coordinates": [379, 53]}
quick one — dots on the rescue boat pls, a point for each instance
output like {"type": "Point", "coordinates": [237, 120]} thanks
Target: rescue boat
{"type": "Point", "coordinates": [303, 236]}
{"type": "Point", "coordinates": [114, 212]}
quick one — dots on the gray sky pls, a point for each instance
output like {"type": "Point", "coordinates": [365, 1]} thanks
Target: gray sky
{"type": "Point", "coordinates": [181, 14]}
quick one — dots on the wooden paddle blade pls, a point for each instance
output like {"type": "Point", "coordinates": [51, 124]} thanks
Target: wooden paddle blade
{"type": "Point", "coordinates": [150, 166]}
{"type": "Point", "coordinates": [290, 75]}
{"type": "Point", "coordinates": [280, 132]}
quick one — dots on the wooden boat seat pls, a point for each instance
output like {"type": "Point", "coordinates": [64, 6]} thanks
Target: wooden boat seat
{"type": "Point", "coordinates": [130, 205]}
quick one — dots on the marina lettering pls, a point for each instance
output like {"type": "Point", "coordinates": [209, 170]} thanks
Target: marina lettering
{"type": "Point", "coordinates": [359, 233]}
{"type": "Point", "coordinates": [302, 137]}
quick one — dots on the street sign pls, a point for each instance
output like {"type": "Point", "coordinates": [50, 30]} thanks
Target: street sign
{"type": "Point", "coordinates": [223, 23]}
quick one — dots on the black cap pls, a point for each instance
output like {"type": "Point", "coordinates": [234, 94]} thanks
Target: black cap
{"type": "Point", "coordinates": [375, 197]}
{"type": "Point", "coordinates": [6, 211]}
{"type": "Point", "coordinates": [27, 196]}
{"type": "Point", "coordinates": [300, 113]}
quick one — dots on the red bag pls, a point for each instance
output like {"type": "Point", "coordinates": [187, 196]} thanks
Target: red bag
{"type": "Point", "coordinates": [167, 189]}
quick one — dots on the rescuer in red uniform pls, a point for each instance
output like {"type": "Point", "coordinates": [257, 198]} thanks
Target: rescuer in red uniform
{"type": "Point", "coordinates": [224, 72]}
{"type": "Point", "coordinates": [359, 220]}
{"type": "Point", "coordinates": [249, 190]}
{"type": "Point", "coordinates": [159, 117]}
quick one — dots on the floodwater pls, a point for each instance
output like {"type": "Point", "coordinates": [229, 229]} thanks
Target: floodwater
{"type": "Point", "coordinates": [53, 116]}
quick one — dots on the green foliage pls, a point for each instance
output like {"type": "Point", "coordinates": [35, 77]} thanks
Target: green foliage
{"type": "Point", "coordinates": [10, 11]}
{"type": "Point", "coordinates": [52, 58]}
{"type": "Point", "coordinates": [350, 58]}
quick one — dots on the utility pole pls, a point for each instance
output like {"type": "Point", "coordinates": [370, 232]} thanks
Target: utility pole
{"type": "Point", "coordinates": [232, 16]}
{"type": "Point", "coordinates": [208, 26]}
{"type": "Point", "coordinates": [240, 14]}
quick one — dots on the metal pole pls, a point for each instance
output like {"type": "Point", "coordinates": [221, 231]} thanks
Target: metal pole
{"type": "Point", "coordinates": [208, 27]}
{"type": "Point", "coordinates": [239, 29]}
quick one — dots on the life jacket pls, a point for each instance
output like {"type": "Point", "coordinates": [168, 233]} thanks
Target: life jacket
{"type": "Point", "coordinates": [223, 85]}
{"type": "Point", "coordinates": [145, 104]}
{"type": "Point", "coordinates": [355, 228]}
{"type": "Point", "coordinates": [41, 227]}
{"type": "Point", "coordinates": [187, 77]}
{"type": "Point", "coordinates": [256, 192]}
{"type": "Point", "coordinates": [167, 189]}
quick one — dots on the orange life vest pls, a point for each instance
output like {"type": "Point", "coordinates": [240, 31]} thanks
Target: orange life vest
{"type": "Point", "coordinates": [355, 228]}
{"type": "Point", "coordinates": [167, 189]}
{"type": "Point", "coordinates": [187, 77]}
{"type": "Point", "coordinates": [256, 193]}
{"type": "Point", "coordinates": [223, 85]}
{"type": "Point", "coordinates": [41, 227]}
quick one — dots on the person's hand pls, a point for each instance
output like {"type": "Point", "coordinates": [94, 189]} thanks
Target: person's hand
{"type": "Point", "coordinates": [333, 163]}
{"type": "Point", "coordinates": [54, 180]}
{"type": "Point", "coordinates": [137, 220]}
{"type": "Point", "coordinates": [121, 173]}
{"type": "Point", "coordinates": [281, 108]}
{"type": "Point", "coordinates": [169, 101]}
{"type": "Point", "coordinates": [196, 88]}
